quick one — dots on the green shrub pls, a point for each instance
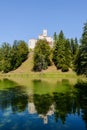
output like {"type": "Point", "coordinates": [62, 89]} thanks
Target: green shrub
{"type": "Point", "coordinates": [65, 68]}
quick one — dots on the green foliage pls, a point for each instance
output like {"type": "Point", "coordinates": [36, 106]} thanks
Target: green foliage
{"type": "Point", "coordinates": [12, 57]}
{"type": "Point", "coordinates": [5, 62]}
{"type": "Point", "coordinates": [74, 48]}
{"type": "Point", "coordinates": [19, 53]}
{"type": "Point", "coordinates": [84, 35]}
{"type": "Point", "coordinates": [80, 63]}
{"type": "Point", "coordinates": [68, 54]}
{"type": "Point", "coordinates": [42, 53]}
{"type": "Point", "coordinates": [61, 51]}
{"type": "Point", "coordinates": [65, 68]}
{"type": "Point", "coordinates": [55, 37]}
{"type": "Point", "coordinates": [23, 50]}
{"type": "Point", "coordinates": [58, 52]}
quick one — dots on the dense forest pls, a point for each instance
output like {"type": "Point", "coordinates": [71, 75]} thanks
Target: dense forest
{"type": "Point", "coordinates": [62, 54]}
{"type": "Point", "coordinates": [65, 54]}
{"type": "Point", "coordinates": [11, 57]}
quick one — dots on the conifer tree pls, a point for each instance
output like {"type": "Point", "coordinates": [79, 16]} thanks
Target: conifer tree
{"type": "Point", "coordinates": [58, 53]}
{"type": "Point", "coordinates": [74, 47]}
{"type": "Point", "coordinates": [68, 54]}
{"type": "Point", "coordinates": [62, 52]}
{"type": "Point", "coordinates": [80, 63]}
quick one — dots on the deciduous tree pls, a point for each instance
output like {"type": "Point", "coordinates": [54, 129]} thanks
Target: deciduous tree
{"type": "Point", "coordinates": [42, 53]}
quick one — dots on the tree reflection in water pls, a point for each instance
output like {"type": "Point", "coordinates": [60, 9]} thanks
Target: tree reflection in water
{"type": "Point", "coordinates": [63, 104]}
{"type": "Point", "coordinates": [13, 97]}
{"type": "Point", "coordinates": [82, 98]}
{"type": "Point", "coordinates": [60, 105]}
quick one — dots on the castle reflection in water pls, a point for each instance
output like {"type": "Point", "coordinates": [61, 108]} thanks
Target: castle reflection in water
{"type": "Point", "coordinates": [32, 110]}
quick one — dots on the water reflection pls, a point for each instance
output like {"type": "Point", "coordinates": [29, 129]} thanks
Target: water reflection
{"type": "Point", "coordinates": [12, 97]}
{"type": "Point", "coordinates": [57, 105]}
{"type": "Point", "coordinates": [82, 98]}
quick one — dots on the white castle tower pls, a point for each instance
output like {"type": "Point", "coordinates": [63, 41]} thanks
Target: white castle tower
{"type": "Point", "coordinates": [45, 33]}
{"type": "Point", "coordinates": [32, 42]}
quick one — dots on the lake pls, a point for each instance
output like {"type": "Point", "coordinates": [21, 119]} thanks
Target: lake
{"type": "Point", "coordinates": [43, 105]}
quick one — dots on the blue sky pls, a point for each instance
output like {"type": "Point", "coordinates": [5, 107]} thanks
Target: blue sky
{"type": "Point", "coordinates": [25, 19]}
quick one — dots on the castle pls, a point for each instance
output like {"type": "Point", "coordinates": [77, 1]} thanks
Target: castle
{"type": "Point", "coordinates": [32, 42]}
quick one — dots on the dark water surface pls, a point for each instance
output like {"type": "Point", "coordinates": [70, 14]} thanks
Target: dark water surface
{"type": "Point", "coordinates": [46, 107]}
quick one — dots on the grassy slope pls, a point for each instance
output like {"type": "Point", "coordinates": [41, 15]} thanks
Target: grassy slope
{"type": "Point", "coordinates": [26, 66]}
{"type": "Point", "coordinates": [26, 70]}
